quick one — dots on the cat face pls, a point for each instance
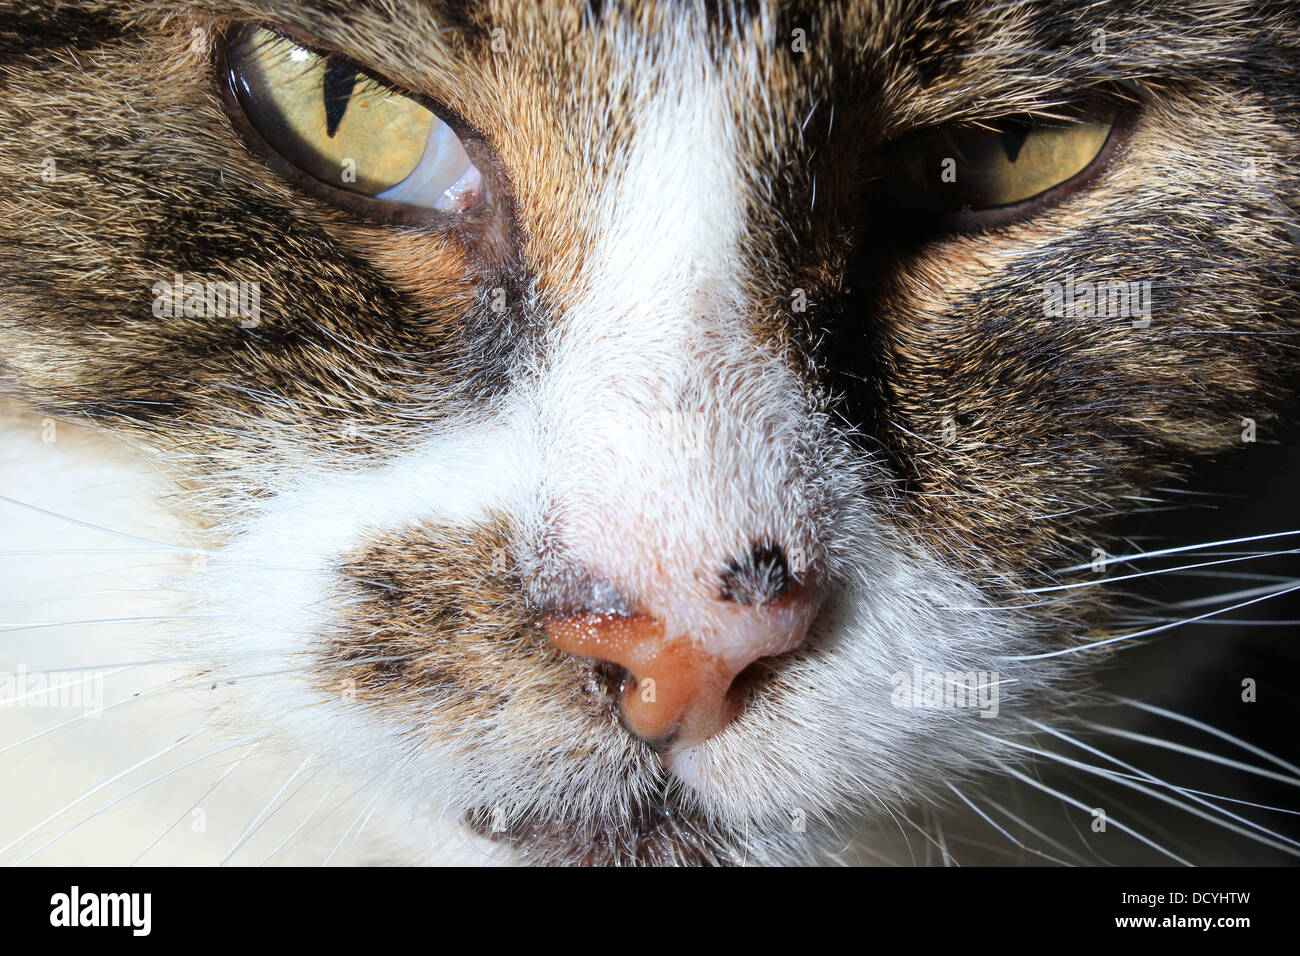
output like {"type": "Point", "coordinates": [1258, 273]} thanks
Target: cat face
{"type": "Point", "coordinates": [606, 487]}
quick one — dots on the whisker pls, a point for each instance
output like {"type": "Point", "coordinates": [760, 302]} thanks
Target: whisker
{"type": "Point", "coordinates": [1090, 790]}
{"type": "Point", "coordinates": [270, 652]}
{"type": "Point", "coordinates": [132, 792]}
{"type": "Point", "coordinates": [295, 831]}
{"type": "Point", "coordinates": [252, 827]}
{"type": "Point", "coordinates": [1242, 576]}
{"type": "Point", "coordinates": [1045, 837]}
{"type": "Point", "coordinates": [1224, 622]}
{"type": "Point", "coordinates": [995, 825]}
{"type": "Point", "coordinates": [1126, 781]}
{"type": "Point", "coordinates": [48, 552]}
{"type": "Point", "coordinates": [206, 793]}
{"type": "Point", "coordinates": [94, 527]}
{"type": "Point", "coordinates": [72, 720]}
{"type": "Point", "coordinates": [1119, 825]}
{"type": "Point", "coordinates": [921, 830]}
{"type": "Point", "coordinates": [1207, 728]}
{"type": "Point", "coordinates": [1148, 631]}
{"type": "Point", "coordinates": [10, 701]}
{"type": "Point", "coordinates": [1151, 778]}
{"type": "Point", "coordinates": [1194, 752]}
{"type": "Point", "coordinates": [95, 789]}
{"type": "Point", "coordinates": [1098, 582]}
{"type": "Point", "coordinates": [1232, 596]}
{"type": "Point", "coordinates": [365, 822]}
{"type": "Point", "coordinates": [12, 628]}
{"type": "Point", "coordinates": [368, 809]}
{"type": "Point", "coordinates": [1141, 556]}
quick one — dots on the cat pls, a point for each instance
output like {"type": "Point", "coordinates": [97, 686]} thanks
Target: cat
{"type": "Point", "coordinates": [630, 432]}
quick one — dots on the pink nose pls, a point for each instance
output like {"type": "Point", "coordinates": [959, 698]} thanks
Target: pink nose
{"type": "Point", "coordinates": [681, 683]}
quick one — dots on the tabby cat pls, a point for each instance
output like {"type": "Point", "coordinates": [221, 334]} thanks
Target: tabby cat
{"type": "Point", "coordinates": [643, 432]}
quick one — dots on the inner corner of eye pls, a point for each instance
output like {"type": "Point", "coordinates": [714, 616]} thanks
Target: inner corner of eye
{"type": "Point", "coordinates": [444, 177]}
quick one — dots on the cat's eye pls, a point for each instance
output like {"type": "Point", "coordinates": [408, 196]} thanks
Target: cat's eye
{"type": "Point", "coordinates": [345, 128]}
{"type": "Point", "coordinates": [962, 171]}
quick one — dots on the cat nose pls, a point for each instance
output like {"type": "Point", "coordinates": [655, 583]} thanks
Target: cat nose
{"type": "Point", "coordinates": [684, 660]}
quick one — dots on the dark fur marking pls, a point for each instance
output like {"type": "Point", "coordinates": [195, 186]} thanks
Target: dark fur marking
{"type": "Point", "coordinates": [33, 31]}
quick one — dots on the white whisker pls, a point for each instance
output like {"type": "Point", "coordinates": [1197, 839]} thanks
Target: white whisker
{"type": "Point", "coordinates": [11, 701]}
{"type": "Point", "coordinates": [1038, 785]}
{"type": "Point", "coordinates": [132, 792]}
{"type": "Point", "coordinates": [1119, 559]}
{"type": "Point", "coordinates": [1107, 581]}
{"type": "Point", "coordinates": [995, 825]}
{"type": "Point", "coordinates": [94, 527]}
{"type": "Point", "coordinates": [1234, 595]}
{"type": "Point", "coordinates": [206, 793]}
{"type": "Point", "coordinates": [368, 808]}
{"type": "Point", "coordinates": [13, 628]}
{"type": "Point", "coordinates": [1148, 631]}
{"type": "Point", "coordinates": [1206, 728]}
{"type": "Point", "coordinates": [1194, 752]}
{"type": "Point", "coordinates": [293, 833]}
{"type": "Point", "coordinates": [263, 813]}
{"type": "Point", "coordinates": [1152, 779]}
{"type": "Point", "coordinates": [189, 735]}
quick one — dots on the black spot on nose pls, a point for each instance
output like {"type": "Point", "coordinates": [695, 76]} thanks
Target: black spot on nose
{"type": "Point", "coordinates": [760, 576]}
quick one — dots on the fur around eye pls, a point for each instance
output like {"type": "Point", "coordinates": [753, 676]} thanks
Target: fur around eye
{"type": "Point", "coordinates": [346, 129]}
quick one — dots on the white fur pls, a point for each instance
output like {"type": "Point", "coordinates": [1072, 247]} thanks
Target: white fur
{"type": "Point", "coordinates": [56, 573]}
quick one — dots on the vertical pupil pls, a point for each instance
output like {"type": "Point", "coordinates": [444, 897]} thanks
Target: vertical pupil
{"type": "Point", "coordinates": [337, 88]}
{"type": "Point", "coordinates": [1013, 138]}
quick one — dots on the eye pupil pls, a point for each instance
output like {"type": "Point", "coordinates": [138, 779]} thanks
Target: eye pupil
{"type": "Point", "coordinates": [1013, 139]}
{"type": "Point", "coordinates": [337, 87]}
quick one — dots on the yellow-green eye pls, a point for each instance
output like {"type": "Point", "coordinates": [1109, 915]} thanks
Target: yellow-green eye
{"type": "Point", "coordinates": [968, 168]}
{"type": "Point", "coordinates": [1017, 159]}
{"type": "Point", "coordinates": [347, 129]}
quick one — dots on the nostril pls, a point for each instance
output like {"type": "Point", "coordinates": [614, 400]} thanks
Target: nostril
{"type": "Point", "coordinates": [610, 684]}
{"type": "Point", "coordinates": [760, 576]}
{"type": "Point", "coordinates": [607, 682]}
{"type": "Point", "coordinates": [748, 682]}
{"type": "Point", "coordinates": [681, 673]}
